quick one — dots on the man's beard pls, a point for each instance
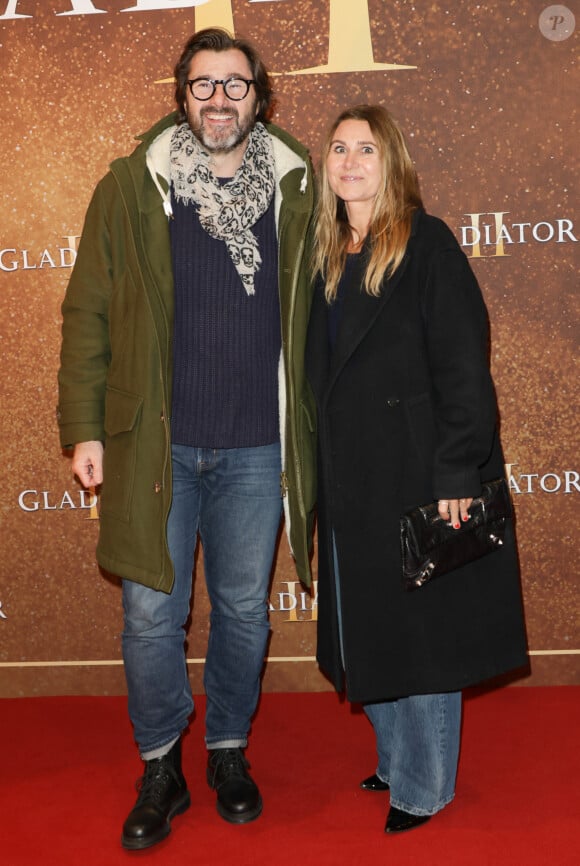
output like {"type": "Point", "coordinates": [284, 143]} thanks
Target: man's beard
{"type": "Point", "coordinates": [221, 141]}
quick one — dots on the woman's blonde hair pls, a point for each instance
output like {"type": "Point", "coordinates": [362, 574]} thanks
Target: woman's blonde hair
{"type": "Point", "coordinates": [392, 212]}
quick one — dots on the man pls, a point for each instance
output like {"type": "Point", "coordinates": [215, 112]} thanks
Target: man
{"type": "Point", "coordinates": [182, 391]}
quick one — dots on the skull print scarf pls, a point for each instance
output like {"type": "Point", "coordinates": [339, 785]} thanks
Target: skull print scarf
{"type": "Point", "coordinates": [227, 211]}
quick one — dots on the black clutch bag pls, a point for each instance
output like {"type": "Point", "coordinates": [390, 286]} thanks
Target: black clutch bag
{"type": "Point", "coordinates": [432, 547]}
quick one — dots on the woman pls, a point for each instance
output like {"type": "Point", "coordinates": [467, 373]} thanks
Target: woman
{"type": "Point", "coordinates": [397, 358]}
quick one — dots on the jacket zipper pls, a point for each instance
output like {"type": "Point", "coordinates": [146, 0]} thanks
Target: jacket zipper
{"type": "Point", "coordinates": [290, 398]}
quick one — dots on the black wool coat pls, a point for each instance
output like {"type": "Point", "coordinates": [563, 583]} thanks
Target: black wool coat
{"type": "Point", "coordinates": [407, 414]}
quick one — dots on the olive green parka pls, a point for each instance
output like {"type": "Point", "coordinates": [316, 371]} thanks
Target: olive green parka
{"type": "Point", "coordinates": [115, 376]}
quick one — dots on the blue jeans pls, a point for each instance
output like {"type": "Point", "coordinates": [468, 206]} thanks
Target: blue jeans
{"type": "Point", "coordinates": [231, 497]}
{"type": "Point", "coordinates": [418, 749]}
{"type": "Point", "coordinates": [417, 740]}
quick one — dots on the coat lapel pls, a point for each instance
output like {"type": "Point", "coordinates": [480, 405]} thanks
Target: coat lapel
{"type": "Point", "coordinates": [359, 314]}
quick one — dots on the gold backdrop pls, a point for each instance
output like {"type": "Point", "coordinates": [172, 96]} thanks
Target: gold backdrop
{"type": "Point", "coordinates": [487, 95]}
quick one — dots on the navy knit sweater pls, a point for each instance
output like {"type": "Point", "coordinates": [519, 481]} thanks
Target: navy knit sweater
{"type": "Point", "coordinates": [226, 344]}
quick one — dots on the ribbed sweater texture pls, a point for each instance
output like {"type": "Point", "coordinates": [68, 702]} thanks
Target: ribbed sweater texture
{"type": "Point", "coordinates": [226, 344]}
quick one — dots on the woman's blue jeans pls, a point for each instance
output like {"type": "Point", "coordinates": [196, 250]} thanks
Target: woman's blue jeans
{"type": "Point", "coordinates": [418, 749]}
{"type": "Point", "coordinates": [417, 741]}
{"type": "Point", "coordinates": [231, 498]}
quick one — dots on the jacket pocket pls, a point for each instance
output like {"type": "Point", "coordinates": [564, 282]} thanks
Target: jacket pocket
{"type": "Point", "coordinates": [122, 416]}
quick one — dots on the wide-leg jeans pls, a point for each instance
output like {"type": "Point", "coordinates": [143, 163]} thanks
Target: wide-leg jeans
{"type": "Point", "coordinates": [231, 498]}
{"type": "Point", "coordinates": [418, 749]}
{"type": "Point", "coordinates": [417, 740]}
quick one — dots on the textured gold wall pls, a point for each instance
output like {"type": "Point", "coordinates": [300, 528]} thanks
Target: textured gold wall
{"type": "Point", "coordinates": [487, 95]}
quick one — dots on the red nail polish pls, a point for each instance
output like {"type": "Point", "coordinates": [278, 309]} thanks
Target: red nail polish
{"type": "Point", "coordinates": [466, 518]}
{"type": "Point", "coordinates": [456, 525]}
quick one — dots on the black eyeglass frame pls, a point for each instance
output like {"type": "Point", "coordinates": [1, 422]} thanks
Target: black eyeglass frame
{"type": "Point", "coordinates": [224, 83]}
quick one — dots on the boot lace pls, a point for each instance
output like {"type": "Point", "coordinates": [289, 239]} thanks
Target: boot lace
{"type": "Point", "coordinates": [153, 784]}
{"type": "Point", "coordinates": [228, 764]}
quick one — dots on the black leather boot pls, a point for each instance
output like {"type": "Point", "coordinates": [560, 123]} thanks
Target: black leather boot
{"type": "Point", "coordinates": [162, 794]}
{"type": "Point", "coordinates": [238, 797]}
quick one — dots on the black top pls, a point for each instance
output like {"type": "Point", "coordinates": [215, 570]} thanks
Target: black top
{"type": "Point", "coordinates": [351, 277]}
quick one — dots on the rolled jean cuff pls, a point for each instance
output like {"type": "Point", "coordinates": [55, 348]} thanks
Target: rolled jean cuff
{"type": "Point", "coordinates": [159, 752]}
{"type": "Point", "coordinates": [227, 744]}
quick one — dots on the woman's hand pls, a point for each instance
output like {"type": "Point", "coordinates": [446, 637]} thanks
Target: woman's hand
{"type": "Point", "coordinates": [454, 510]}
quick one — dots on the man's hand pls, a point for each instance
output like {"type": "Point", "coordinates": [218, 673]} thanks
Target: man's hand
{"type": "Point", "coordinates": [87, 463]}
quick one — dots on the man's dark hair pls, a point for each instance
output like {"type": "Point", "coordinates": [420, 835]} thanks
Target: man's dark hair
{"type": "Point", "coordinates": [216, 39]}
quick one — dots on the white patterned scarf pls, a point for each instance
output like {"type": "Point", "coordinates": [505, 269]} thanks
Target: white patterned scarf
{"type": "Point", "coordinates": [227, 211]}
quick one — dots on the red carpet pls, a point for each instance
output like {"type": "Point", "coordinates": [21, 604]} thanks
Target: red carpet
{"type": "Point", "coordinates": [68, 768]}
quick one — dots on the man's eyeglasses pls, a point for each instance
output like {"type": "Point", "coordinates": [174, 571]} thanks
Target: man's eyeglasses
{"type": "Point", "coordinates": [234, 88]}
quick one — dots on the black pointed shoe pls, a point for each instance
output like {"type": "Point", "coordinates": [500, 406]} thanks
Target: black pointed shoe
{"type": "Point", "coordinates": [162, 795]}
{"type": "Point", "coordinates": [373, 783]}
{"type": "Point", "coordinates": [399, 821]}
{"type": "Point", "coordinates": [238, 797]}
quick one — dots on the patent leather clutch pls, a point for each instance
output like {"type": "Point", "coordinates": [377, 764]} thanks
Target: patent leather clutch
{"type": "Point", "coordinates": [431, 546]}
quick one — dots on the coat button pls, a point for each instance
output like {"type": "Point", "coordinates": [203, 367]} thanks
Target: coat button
{"type": "Point", "coordinates": [393, 401]}
{"type": "Point", "coordinates": [157, 487]}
